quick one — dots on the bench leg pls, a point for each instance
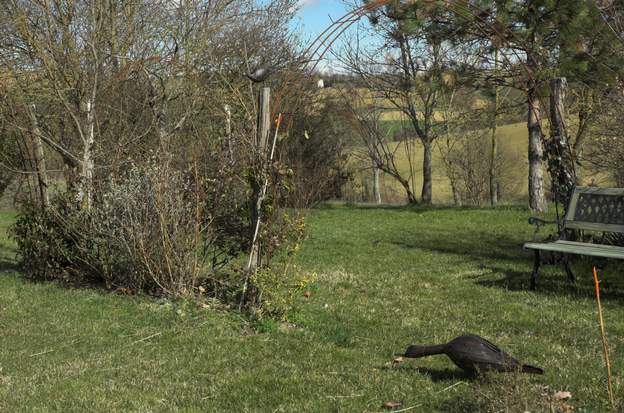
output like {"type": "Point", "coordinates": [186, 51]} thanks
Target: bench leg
{"type": "Point", "coordinates": [536, 265]}
{"type": "Point", "coordinates": [566, 263]}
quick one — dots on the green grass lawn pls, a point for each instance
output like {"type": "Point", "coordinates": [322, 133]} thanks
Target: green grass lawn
{"type": "Point", "coordinates": [386, 277]}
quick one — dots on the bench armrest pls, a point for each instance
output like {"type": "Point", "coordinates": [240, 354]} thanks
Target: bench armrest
{"type": "Point", "coordinates": [539, 222]}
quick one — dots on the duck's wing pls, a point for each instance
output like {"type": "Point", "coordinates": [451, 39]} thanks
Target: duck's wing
{"type": "Point", "coordinates": [476, 353]}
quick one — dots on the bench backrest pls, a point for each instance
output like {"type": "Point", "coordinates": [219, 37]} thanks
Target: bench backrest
{"type": "Point", "coordinates": [596, 209]}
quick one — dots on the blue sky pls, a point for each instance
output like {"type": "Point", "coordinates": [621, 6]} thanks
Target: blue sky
{"type": "Point", "coordinates": [315, 16]}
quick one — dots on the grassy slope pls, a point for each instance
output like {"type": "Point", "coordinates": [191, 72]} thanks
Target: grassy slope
{"type": "Point", "coordinates": [513, 141]}
{"type": "Point", "coordinates": [512, 138]}
{"type": "Point", "coordinates": [387, 277]}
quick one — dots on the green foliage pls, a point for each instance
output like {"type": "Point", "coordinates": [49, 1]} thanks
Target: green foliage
{"type": "Point", "coordinates": [280, 285]}
{"type": "Point", "coordinates": [48, 243]}
{"type": "Point", "coordinates": [281, 288]}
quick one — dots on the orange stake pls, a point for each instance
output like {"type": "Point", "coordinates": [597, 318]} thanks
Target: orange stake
{"type": "Point", "coordinates": [605, 345]}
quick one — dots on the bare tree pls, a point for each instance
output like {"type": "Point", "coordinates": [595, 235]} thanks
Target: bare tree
{"type": "Point", "coordinates": [407, 70]}
{"type": "Point", "coordinates": [378, 145]}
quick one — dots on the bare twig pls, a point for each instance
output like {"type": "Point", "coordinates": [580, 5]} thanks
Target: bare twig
{"type": "Point", "coordinates": [406, 409]}
{"type": "Point", "coordinates": [147, 338]}
{"type": "Point", "coordinates": [344, 397]}
{"type": "Point", "coordinates": [42, 352]}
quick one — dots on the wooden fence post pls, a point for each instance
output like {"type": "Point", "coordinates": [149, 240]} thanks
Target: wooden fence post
{"type": "Point", "coordinates": [264, 125]}
{"type": "Point", "coordinates": [259, 183]}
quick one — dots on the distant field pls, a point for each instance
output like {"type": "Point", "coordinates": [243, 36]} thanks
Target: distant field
{"type": "Point", "coordinates": [513, 141]}
{"type": "Point", "coordinates": [512, 138]}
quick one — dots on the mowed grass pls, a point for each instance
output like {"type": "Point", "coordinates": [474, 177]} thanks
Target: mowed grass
{"type": "Point", "coordinates": [386, 277]}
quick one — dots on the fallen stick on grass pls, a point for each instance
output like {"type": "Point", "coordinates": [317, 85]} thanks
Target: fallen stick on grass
{"type": "Point", "coordinates": [147, 338]}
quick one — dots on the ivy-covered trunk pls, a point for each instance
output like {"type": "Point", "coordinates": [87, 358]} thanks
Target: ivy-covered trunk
{"type": "Point", "coordinates": [537, 198]}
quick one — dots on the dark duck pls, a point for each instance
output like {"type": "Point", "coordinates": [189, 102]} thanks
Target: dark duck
{"type": "Point", "coordinates": [473, 354]}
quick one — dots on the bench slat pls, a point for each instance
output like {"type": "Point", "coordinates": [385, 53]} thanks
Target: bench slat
{"type": "Point", "coordinates": [579, 248]}
{"type": "Point", "coordinates": [588, 244]}
{"type": "Point", "coordinates": [594, 226]}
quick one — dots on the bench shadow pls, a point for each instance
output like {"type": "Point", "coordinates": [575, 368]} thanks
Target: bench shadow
{"type": "Point", "coordinates": [487, 248]}
{"type": "Point", "coordinates": [555, 283]}
{"type": "Point", "coordinates": [552, 280]}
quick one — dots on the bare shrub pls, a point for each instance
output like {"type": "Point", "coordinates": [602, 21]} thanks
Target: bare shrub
{"type": "Point", "coordinates": [143, 234]}
{"type": "Point", "coordinates": [467, 166]}
{"type": "Point", "coordinates": [317, 153]}
{"type": "Point", "coordinates": [149, 231]}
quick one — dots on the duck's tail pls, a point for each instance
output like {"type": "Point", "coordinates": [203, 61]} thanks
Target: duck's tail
{"type": "Point", "coordinates": [531, 370]}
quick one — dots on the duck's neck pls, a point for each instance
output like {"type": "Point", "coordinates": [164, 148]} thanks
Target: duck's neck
{"type": "Point", "coordinates": [423, 351]}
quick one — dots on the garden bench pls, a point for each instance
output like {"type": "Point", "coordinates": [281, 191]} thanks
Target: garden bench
{"type": "Point", "coordinates": [591, 209]}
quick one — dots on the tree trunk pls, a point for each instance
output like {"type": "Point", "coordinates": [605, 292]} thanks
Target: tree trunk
{"type": "Point", "coordinates": [40, 164]}
{"type": "Point", "coordinates": [456, 195]}
{"type": "Point", "coordinates": [537, 198]}
{"type": "Point", "coordinates": [376, 192]}
{"type": "Point", "coordinates": [411, 198]}
{"type": "Point", "coordinates": [494, 142]}
{"type": "Point", "coordinates": [559, 155]}
{"type": "Point", "coordinates": [85, 193]}
{"type": "Point", "coordinates": [228, 133]}
{"type": "Point", "coordinates": [588, 107]}
{"type": "Point", "coordinates": [493, 177]}
{"type": "Point", "coordinates": [426, 194]}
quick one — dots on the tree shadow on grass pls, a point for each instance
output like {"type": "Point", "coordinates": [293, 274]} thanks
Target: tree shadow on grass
{"type": "Point", "coordinates": [8, 265]}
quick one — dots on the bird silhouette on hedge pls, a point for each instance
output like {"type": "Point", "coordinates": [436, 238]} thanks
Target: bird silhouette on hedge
{"type": "Point", "coordinates": [260, 74]}
{"type": "Point", "coordinates": [473, 354]}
